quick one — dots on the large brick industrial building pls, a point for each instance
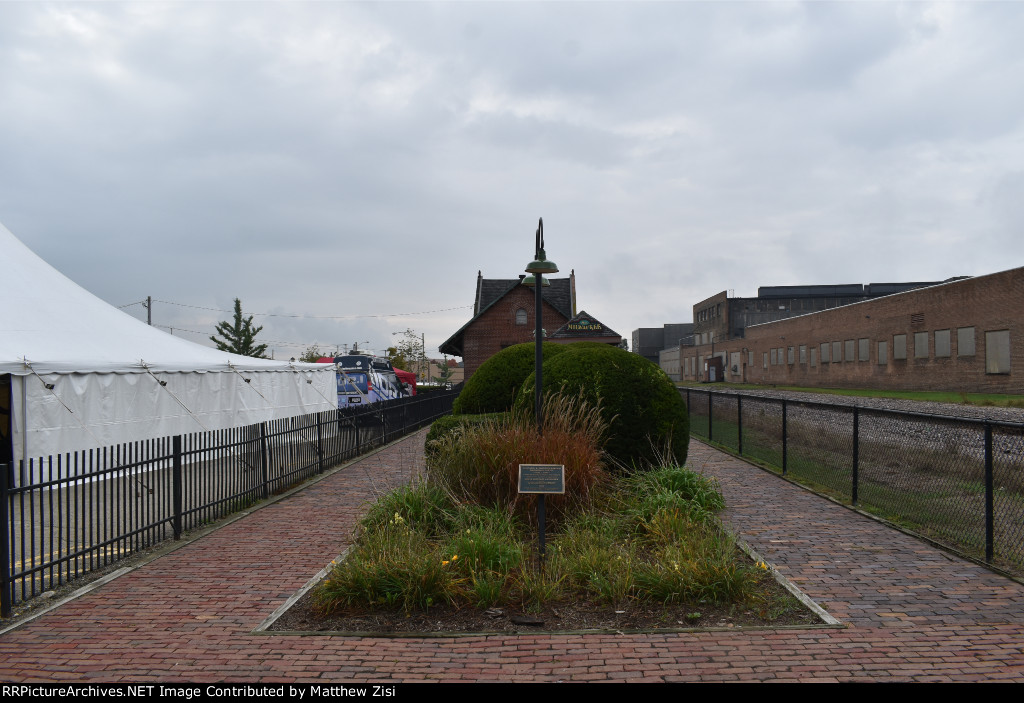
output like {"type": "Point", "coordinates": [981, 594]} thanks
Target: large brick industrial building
{"type": "Point", "coordinates": [964, 334]}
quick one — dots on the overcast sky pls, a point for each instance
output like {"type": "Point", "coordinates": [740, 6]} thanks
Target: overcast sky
{"type": "Point", "coordinates": [365, 160]}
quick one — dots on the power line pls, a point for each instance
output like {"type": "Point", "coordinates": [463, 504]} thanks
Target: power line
{"type": "Point", "coordinates": [207, 336]}
{"type": "Point", "coordinates": [313, 317]}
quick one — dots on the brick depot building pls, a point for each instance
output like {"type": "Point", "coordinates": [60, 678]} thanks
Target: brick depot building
{"type": "Point", "coordinates": [504, 315]}
{"type": "Point", "coordinates": [962, 335]}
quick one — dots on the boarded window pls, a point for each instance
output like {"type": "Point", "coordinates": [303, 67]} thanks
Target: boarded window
{"type": "Point", "coordinates": [789, 355]}
{"type": "Point", "coordinates": [824, 352]}
{"type": "Point", "coordinates": [803, 353]}
{"type": "Point", "coordinates": [863, 350]}
{"type": "Point", "coordinates": [814, 357]}
{"type": "Point", "coordinates": [965, 341]}
{"type": "Point", "coordinates": [837, 352]}
{"type": "Point", "coordinates": [775, 357]}
{"type": "Point", "coordinates": [997, 352]}
{"type": "Point", "coordinates": [942, 343]}
{"type": "Point", "coordinates": [750, 359]}
{"type": "Point", "coordinates": [850, 350]}
{"type": "Point", "coordinates": [920, 345]}
{"type": "Point", "coordinates": [764, 360]}
{"type": "Point", "coordinates": [883, 353]}
{"type": "Point", "coordinates": [899, 346]}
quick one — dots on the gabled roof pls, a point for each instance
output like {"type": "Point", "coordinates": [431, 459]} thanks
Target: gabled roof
{"type": "Point", "coordinates": [584, 325]}
{"type": "Point", "coordinates": [558, 295]}
{"type": "Point", "coordinates": [488, 291]}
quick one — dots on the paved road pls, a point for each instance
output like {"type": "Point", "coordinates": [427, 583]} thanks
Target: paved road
{"type": "Point", "coordinates": [913, 612]}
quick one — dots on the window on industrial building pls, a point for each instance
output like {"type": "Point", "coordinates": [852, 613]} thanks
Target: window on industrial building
{"type": "Point", "coordinates": [899, 346]}
{"type": "Point", "coordinates": [863, 350]}
{"type": "Point", "coordinates": [850, 350]}
{"type": "Point", "coordinates": [734, 363]}
{"type": "Point", "coordinates": [824, 352]}
{"type": "Point", "coordinates": [814, 356]}
{"type": "Point", "coordinates": [520, 317]}
{"type": "Point", "coordinates": [920, 345]}
{"type": "Point", "coordinates": [965, 341]}
{"type": "Point", "coordinates": [997, 352]}
{"type": "Point", "coordinates": [883, 353]}
{"type": "Point", "coordinates": [942, 347]}
{"type": "Point", "coordinates": [775, 356]}
{"type": "Point", "coordinates": [764, 360]}
{"type": "Point", "coordinates": [790, 355]}
{"type": "Point", "coordinates": [803, 353]}
{"type": "Point", "coordinates": [750, 359]}
{"type": "Point", "coordinates": [837, 352]}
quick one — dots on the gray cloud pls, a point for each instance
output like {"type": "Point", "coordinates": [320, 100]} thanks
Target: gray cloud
{"type": "Point", "coordinates": [368, 159]}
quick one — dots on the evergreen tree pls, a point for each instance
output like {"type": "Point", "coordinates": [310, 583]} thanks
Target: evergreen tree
{"type": "Point", "coordinates": [238, 336]}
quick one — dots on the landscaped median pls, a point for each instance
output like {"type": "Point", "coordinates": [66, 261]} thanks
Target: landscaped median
{"type": "Point", "coordinates": [456, 550]}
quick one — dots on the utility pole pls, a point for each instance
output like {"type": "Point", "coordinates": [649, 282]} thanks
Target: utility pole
{"type": "Point", "coordinates": [149, 310]}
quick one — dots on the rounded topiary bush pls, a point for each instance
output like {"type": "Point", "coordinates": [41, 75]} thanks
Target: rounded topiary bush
{"type": "Point", "coordinates": [492, 388]}
{"type": "Point", "coordinates": [647, 416]}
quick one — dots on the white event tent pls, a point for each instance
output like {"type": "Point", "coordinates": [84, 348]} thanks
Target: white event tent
{"type": "Point", "coordinates": [85, 375]}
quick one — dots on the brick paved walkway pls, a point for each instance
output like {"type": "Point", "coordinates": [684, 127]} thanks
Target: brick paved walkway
{"type": "Point", "coordinates": [914, 613]}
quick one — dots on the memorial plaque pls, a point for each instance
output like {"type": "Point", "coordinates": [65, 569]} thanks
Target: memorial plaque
{"type": "Point", "coordinates": [541, 478]}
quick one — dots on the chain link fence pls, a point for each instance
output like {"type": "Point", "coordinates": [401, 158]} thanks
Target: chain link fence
{"type": "Point", "coordinates": [959, 481]}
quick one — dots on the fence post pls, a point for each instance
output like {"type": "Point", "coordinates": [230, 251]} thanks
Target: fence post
{"type": "Point", "coordinates": [739, 424]}
{"type": "Point", "coordinates": [784, 448]}
{"type": "Point", "coordinates": [264, 460]}
{"type": "Point", "coordinates": [357, 419]}
{"type": "Point", "coordinates": [319, 444]}
{"type": "Point", "coordinates": [989, 507]}
{"type": "Point", "coordinates": [856, 451]}
{"type": "Point", "coordinates": [176, 491]}
{"type": "Point", "coordinates": [6, 604]}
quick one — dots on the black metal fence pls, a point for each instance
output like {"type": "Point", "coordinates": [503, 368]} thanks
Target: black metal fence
{"type": "Point", "coordinates": [78, 512]}
{"type": "Point", "coordinates": [960, 481]}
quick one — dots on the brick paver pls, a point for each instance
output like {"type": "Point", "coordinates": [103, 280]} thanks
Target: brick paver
{"type": "Point", "coordinates": [913, 612]}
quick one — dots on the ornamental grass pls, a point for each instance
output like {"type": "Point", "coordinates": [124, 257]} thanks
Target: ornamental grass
{"type": "Point", "coordinates": [462, 536]}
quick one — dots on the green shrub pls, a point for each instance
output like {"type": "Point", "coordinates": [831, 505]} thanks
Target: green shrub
{"type": "Point", "coordinates": [647, 418]}
{"type": "Point", "coordinates": [493, 386]}
{"type": "Point", "coordinates": [421, 506]}
{"type": "Point", "coordinates": [392, 567]}
{"type": "Point", "coordinates": [689, 486]}
{"type": "Point", "coordinates": [702, 568]}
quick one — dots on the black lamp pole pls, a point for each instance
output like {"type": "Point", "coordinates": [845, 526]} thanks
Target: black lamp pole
{"type": "Point", "coordinates": [539, 333]}
{"type": "Point", "coordinates": [538, 267]}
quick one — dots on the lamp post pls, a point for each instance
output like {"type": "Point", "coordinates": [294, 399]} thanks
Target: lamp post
{"type": "Point", "coordinates": [537, 268]}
